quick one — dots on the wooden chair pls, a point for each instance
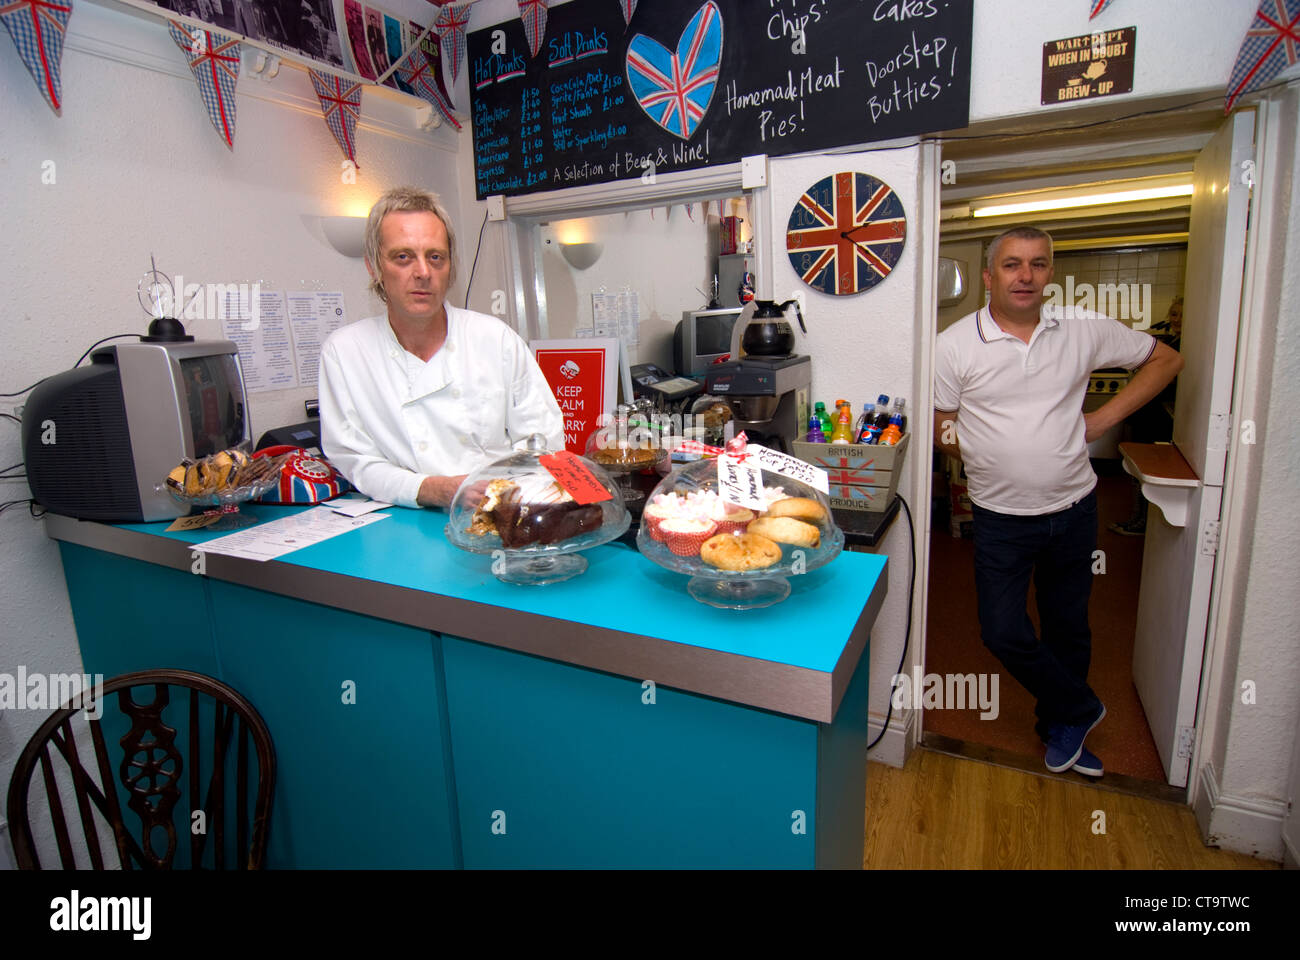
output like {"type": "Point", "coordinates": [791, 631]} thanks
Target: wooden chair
{"type": "Point", "coordinates": [150, 765]}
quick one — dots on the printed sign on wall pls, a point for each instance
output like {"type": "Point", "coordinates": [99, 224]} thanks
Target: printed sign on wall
{"type": "Point", "coordinates": [1093, 65]}
{"type": "Point", "coordinates": [582, 376]}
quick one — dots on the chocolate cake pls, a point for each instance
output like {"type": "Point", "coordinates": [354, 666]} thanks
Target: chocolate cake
{"type": "Point", "coordinates": [532, 510]}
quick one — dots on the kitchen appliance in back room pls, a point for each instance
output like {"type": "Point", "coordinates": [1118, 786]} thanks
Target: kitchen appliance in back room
{"type": "Point", "coordinates": [766, 383]}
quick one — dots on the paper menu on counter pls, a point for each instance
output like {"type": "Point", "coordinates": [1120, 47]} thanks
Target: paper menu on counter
{"type": "Point", "coordinates": [269, 541]}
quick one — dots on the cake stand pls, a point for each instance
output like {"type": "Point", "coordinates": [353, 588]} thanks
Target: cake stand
{"type": "Point", "coordinates": [536, 563]}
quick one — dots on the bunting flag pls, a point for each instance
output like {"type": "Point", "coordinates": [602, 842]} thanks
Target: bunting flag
{"type": "Point", "coordinates": [433, 53]}
{"type": "Point", "coordinates": [1268, 49]}
{"type": "Point", "coordinates": [1097, 7]}
{"type": "Point", "coordinates": [340, 105]}
{"type": "Point", "coordinates": [417, 71]}
{"type": "Point", "coordinates": [38, 29]}
{"type": "Point", "coordinates": [452, 22]}
{"type": "Point", "coordinates": [628, 7]}
{"type": "Point", "coordinates": [533, 14]}
{"type": "Point", "coordinates": [214, 61]}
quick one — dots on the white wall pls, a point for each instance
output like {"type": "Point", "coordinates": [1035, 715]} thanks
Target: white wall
{"type": "Point", "coordinates": [660, 254]}
{"type": "Point", "coordinates": [1180, 48]}
{"type": "Point", "coordinates": [139, 171]}
{"type": "Point", "coordinates": [864, 345]}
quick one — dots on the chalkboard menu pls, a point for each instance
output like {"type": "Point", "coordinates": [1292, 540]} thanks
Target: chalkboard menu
{"type": "Point", "coordinates": [689, 83]}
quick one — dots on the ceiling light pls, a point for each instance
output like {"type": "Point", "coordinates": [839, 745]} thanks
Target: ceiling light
{"type": "Point", "coordinates": [1065, 202]}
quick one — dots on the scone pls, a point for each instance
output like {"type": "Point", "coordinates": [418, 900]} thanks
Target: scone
{"type": "Point", "coordinates": [801, 508]}
{"type": "Point", "coordinates": [739, 551]}
{"type": "Point", "coordinates": [786, 530]}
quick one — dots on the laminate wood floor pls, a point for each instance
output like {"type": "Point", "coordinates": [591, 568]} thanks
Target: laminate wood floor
{"type": "Point", "coordinates": [944, 813]}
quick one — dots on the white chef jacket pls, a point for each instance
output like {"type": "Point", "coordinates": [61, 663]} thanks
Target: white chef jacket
{"type": "Point", "coordinates": [1020, 406]}
{"type": "Point", "coordinates": [388, 419]}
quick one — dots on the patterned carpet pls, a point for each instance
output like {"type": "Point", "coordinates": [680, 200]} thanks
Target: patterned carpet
{"type": "Point", "coordinates": [1123, 740]}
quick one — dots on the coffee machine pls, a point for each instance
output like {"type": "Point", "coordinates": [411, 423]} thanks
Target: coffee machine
{"type": "Point", "coordinates": [768, 385]}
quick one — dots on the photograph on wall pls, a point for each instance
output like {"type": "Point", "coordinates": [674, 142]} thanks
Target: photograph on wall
{"type": "Point", "coordinates": [355, 16]}
{"type": "Point", "coordinates": [305, 27]}
{"type": "Point", "coordinates": [397, 39]}
{"type": "Point", "coordinates": [433, 53]}
{"type": "Point", "coordinates": [377, 44]}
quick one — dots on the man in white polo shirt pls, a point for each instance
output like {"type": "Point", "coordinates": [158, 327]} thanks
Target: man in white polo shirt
{"type": "Point", "coordinates": [1008, 397]}
{"type": "Point", "coordinates": [413, 401]}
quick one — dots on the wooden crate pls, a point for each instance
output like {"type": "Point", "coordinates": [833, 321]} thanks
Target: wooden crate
{"type": "Point", "coordinates": [862, 476]}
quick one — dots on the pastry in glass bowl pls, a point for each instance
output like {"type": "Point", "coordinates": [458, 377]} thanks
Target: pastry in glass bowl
{"type": "Point", "coordinates": [781, 527]}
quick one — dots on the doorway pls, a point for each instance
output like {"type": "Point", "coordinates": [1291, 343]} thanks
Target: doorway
{"type": "Point", "coordinates": [1114, 243]}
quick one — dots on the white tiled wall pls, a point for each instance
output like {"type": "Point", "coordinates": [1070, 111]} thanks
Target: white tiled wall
{"type": "Point", "coordinates": [1164, 270]}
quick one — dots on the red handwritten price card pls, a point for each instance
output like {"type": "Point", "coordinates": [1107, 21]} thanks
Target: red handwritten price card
{"type": "Point", "coordinates": [572, 474]}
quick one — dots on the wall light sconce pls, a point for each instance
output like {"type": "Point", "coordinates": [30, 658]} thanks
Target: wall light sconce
{"type": "Point", "coordinates": [581, 255]}
{"type": "Point", "coordinates": [347, 235]}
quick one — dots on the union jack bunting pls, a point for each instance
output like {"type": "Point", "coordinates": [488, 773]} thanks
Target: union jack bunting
{"type": "Point", "coordinates": [417, 71]}
{"type": "Point", "coordinates": [674, 88]}
{"type": "Point", "coordinates": [628, 7]}
{"type": "Point", "coordinates": [533, 14]}
{"type": "Point", "coordinates": [846, 233]}
{"type": "Point", "coordinates": [38, 28]}
{"type": "Point", "coordinates": [340, 105]}
{"type": "Point", "coordinates": [452, 21]}
{"type": "Point", "coordinates": [1269, 48]}
{"type": "Point", "coordinates": [1097, 7]}
{"type": "Point", "coordinates": [214, 61]}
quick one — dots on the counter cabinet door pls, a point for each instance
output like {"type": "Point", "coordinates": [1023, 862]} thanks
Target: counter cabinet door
{"type": "Point", "coordinates": [354, 707]}
{"type": "Point", "coordinates": [561, 766]}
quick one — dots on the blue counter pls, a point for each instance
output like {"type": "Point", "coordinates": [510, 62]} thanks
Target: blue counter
{"type": "Point", "coordinates": [427, 715]}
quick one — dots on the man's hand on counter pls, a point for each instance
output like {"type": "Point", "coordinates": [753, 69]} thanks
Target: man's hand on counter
{"type": "Point", "coordinates": [438, 491]}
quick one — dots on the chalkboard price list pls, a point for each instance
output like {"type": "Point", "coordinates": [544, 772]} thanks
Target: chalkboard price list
{"type": "Point", "coordinates": [784, 76]}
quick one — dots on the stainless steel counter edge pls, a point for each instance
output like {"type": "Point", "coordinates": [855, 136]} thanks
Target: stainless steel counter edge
{"type": "Point", "coordinates": [797, 691]}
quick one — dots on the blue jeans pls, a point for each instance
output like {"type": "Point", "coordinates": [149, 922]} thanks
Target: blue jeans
{"type": "Point", "coordinates": [1056, 548]}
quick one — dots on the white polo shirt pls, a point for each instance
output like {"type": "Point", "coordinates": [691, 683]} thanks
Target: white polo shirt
{"type": "Point", "coordinates": [388, 419]}
{"type": "Point", "coordinates": [1020, 406]}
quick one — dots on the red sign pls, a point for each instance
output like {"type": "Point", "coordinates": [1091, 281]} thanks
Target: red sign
{"type": "Point", "coordinates": [571, 473]}
{"type": "Point", "coordinates": [582, 378]}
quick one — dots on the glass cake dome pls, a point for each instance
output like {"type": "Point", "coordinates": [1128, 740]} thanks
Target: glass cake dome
{"type": "Point", "coordinates": [534, 511]}
{"type": "Point", "coordinates": [737, 556]}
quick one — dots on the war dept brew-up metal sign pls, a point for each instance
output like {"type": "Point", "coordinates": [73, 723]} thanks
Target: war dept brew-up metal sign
{"type": "Point", "coordinates": [1093, 65]}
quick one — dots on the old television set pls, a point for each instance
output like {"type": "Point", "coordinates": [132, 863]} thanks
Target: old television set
{"type": "Point", "coordinates": [701, 337]}
{"type": "Point", "coordinates": [99, 439]}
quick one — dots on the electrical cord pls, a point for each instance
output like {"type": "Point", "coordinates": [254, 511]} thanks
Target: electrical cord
{"type": "Point", "coordinates": [116, 336]}
{"type": "Point", "coordinates": [477, 250]}
{"type": "Point", "coordinates": [31, 507]}
{"type": "Point", "coordinates": [907, 635]}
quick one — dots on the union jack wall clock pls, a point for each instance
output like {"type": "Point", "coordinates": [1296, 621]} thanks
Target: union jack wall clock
{"type": "Point", "coordinates": [846, 233]}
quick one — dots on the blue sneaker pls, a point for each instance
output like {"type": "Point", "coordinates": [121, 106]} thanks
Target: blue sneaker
{"type": "Point", "coordinates": [1088, 764]}
{"type": "Point", "coordinates": [1065, 743]}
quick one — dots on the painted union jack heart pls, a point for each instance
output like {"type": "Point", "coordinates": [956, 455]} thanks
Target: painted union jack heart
{"type": "Point", "coordinates": [674, 89]}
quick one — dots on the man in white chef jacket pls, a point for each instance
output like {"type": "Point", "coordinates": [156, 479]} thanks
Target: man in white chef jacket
{"type": "Point", "coordinates": [413, 401]}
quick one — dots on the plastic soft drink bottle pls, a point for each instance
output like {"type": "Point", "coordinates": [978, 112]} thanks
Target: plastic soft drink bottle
{"type": "Point", "coordinates": [899, 405]}
{"type": "Point", "coordinates": [820, 409]}
{"type": "Point", "coordinates": [882, 413]}
{"type": "Point", "coordinates": [843, 432]}
{"type": "Point", "coordinates": [815, 434]}
{"type": "Point", "coordinates": [866, 425]}
{"type": "Point", "coordinates": [894, 432]}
